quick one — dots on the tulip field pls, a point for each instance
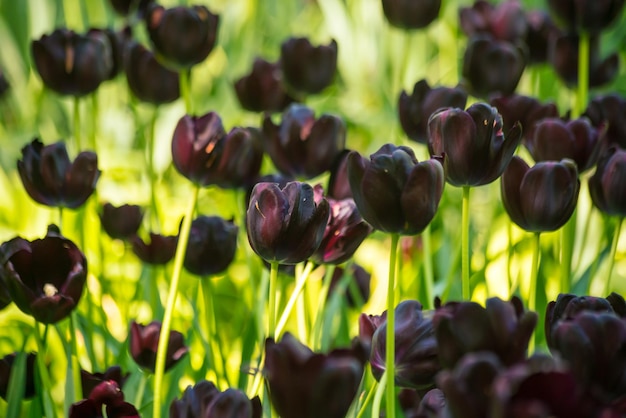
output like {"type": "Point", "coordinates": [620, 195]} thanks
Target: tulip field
{"type": "Point", "coordinates": [312, 209]}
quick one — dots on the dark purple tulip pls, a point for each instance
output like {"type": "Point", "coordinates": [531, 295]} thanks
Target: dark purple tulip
{"type": "Point", "coordinates": [431, 405]}
{"type": "Point", "coordinates": [277, 178]}
{"type": "Point", "coordinates": [303, 145]}
{"type": "Point", "coordinates": [205, 400]}
{"type": "Point", "coordinates": [501, 327]}
{"type": "Point", "coordinates": [121, 222]}
{"type": "Point", "coordinates": [45, 277]}
{"type": "Point", "coordinates": [606, 185]}
{"type": "Point", "coordinates": [410, 14]}
{"type": "Point", "coordinates": [182, 36]}
{"type": "Point", "coordinates": [467, 387]}
{"type": "Point", "coordinates": [505, 21]}
{"type": "Point", "coordinates": [338, 182]}
{"type": "Point", "coordinates": [523, 109]}
{"type": "Point", "coordinates": [144, 342]}
{"type": "Point", "coordinates": [212, 245]}
{"type": "Point", "coordinates": [609, 111]}
{"type": "Point", "coordinates": [90, 381]}
{"type": "Point", "coordinates": [475, 147]}
{"type": "Point", "coordinates": [358, 290]}
{"type": "Point", "coordinates": [393, 192]}
{"type": "Point", "coordinates": [4, 84]}
{"type": "Point", "coordinates": [149, 81]}
{"type": "Point", "coordinates": [564, 58]}
{"type": "Point", "coordinates": [554, 139]}
{"type": "Point", "coordinates": [344, 232]}
{"type": "Point", "coordinates": [6, 364]}
{"type": "Point", "coordinates": [368, 324]}
{"type": "Point", "coordinates": [160, 249]}
{"type": "Point", "coordinates": [308, 68]}
{"type": "Point", "coordinates": [106, 394]}
{"type": "Point", "coordinates": [286, 225]}
{"type": "Point", "coordinates": [541, 33]}
{"type": "Point", "coordinates": [304, 384]}
{"type": "Point", "coordinates": [73, 64]}
{"type": "Point", "coordinates": [586, 15]}
{"type": "Point", "coordinates": [415, 110]}
{"type": "Point", "coordinates": [492, 67]}
{"type": "Point", "coordinates": [125, 7]}
{"type": "Point", "coordinates": [541, 198]}
{"type": "Point", "coordinates": [262, 90]}
{"type": "Point", "coordinates": [117, 41]}
{"type": "Point", "coordinates": [52, 180]}
{"type": "Point", "coordinates": [416, 355]}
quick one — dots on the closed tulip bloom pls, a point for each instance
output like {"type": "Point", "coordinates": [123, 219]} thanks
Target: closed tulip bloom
{"type": "Point", "coordinates": [303, 145]}
{"type": "Point", "coordinates": [541, 33]}
{"type": "Point", "coordinates": [89, 381]}
{"type": "Point", "coordinates": [182, 36]}
{"type": "Point", "coordinates": [345, 231]}
{"type": "Point", "coordinates": [554, 139]}
{"type": "Point", "coordinates": [410, 14]}
{"type": "Point", "coordinates": [505, 21]}
{"type": "Point", "coordinates": [491, 66]}
{"type": "Point", "coordinates": [609, 111]}
{"type": "Point", "coordinates": [107, 394]}
{"type": "Point", "coordinates": [52, 180]}
{"type": "Point", "coordinates": [73, 64]}
{"type": "Point", "coordinates": [586, 15]}
{"type": "Point", "coordinates": [121, 222]}
{"type": "Point", "coordinates": [541, 198]}
{"type": "Point", "coordinates": [606, 185]}
{"type": "Point", "coordinates": [117, 41]}
{"type": "Point", "coordinates": [6, 366]}
{"type": "Point", "coordinates": [307, 68]}
{"type": "Point", "coordinates": [45, 277]}
{"type": "Point", "coordinates": [262, 90]}
{"type": "Point", "coordinates": [143, 343]}
{"type": "Point", "coordinates": [416, 353]}
{"type": "Point", "coordinates": [304, 384]}
{"type": "Point", "coordinates": [212, 245]}
{"type": "Point", "coordinates": [159, 250]}
{"type": "Point", "coordinates": [526, 110]}
{"type": "Point", "coordinates": [237, 158]}
{"type": "Point", "coordinates": [286, 225]}
{"type": "Point", "coordinates": [147, 79]}
{"type": "Point", "coordinates": [205, 400]}
{"type": "Point", "coordinates": [473, 142]}
{"type": "Point", "coordinates": [415, 110]}
{"type": "Point", "coordinates": [393, 191]}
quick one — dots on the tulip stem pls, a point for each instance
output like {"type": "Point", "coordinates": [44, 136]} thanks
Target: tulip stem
{"type": "Point", "coordinates": [378, 396]}
{"type": "Point", "coordinates": [271, 310]}
{"type": "Point", "coordinates": [465, 229]}
{"type": "Point", "coordinates": [583, 75]}
{"type": "Point", "coordinates": [319, 317]}
{"type": "Point", "coordinates": [568, 236]}
{"type": "Point", "coordinates": [138, 403]}
{"type": "Point", "coordinates": [368, 399]}
{"type": "Point", "coordinates": [534, 274]}
{"type": "Point", "coordinates": [297, 291]}
{"type": "Point", "coordinates": [390, 353]}
{"type": "Point", "coordinates": [164, 337]}
{"type": "Point", "coordinates": [154, 209]}
{"type": "Point", "coordinates": [616, 235]}
{"type": "Point", "coordinates": [429, 276]}
{"type": "Point", "coordinates": [185, 89]}
{"type": "Point", "coordinates": [77, 139]}
{"type": "Point", "coordinates": [75, 365]}
{"type": "Point", "coordinates": [48, 406]}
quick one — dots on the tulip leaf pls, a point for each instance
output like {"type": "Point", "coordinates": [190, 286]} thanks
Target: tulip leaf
{"type": "Point", "coordinates": [17, 383]}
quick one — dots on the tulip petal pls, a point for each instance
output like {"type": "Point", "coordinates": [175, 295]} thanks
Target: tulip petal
{"type": "Point", "coordinates": [421, 195]}
{"type": "Point", "coordinates": [510, 189]}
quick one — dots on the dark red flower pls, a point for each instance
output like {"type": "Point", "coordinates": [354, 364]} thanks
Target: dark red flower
{"type": "Point", "coordinates": [356, 281]}
{"type": "Point", "coordinates": [147, 79]}
{"type": "Point", "coordinates": [90, 381]}
{"type": "Point", "coordinates": [144, 342]}
{"type": "Point", "coordinates": [160, 249]}
{"type": "Point", "coordinates": [262, 90]}
{"type": "Point", "coordinates": [308, 68]}
{"type": "Point", "coordinates": [125, 7]}
{"type": "Point", "coordinates": [609, 111]}
{"type": "Point", "coordinates": [121, 222]}
{"type": "Point", "coordinates": [606, 185]}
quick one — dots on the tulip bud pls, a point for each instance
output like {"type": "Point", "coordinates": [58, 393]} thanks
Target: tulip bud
{"type": "Point", "coordinates": [285, 225]}
{"type": "Point", "coordinates": [205, 400]}
{"type": "Point", "coordinates": [307, 68]}
{"type": "Point", "coordinates": [541, 198]}
{"type": "Point", "coordinates": [121, 222]}
{"type": "Point", "coordinates": [147, 79]}
{"type": "Point", "coordinates": [212, 245]}
{"type": "Point", "coordinates": [160, 249]}
{"type": "Point", "coordinates": [416, 109]}
{"type": "Point", "coordinates": [262, 90]}
{"type": "Point", "coordinates": [143, 344]}
{"type": "Point", "coordinates": [303, 145]}
{"type": "Point", "coordinates": [182, 36]}
{"type": "Point", "coordinates": [393, 192]}
{"type": "Point", "coordinates": [606, 185]}
{"type": "Point", "coordinates": [410, 14]}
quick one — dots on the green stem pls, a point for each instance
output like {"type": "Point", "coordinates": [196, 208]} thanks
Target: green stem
{"type": "Point", "coordinates": [273, 289]}
{"type": "Point", "coordinates": [319, 317]}
{"type": "Point", "coordinates": [214, 336]}
{"type": "Point", "coordinates": [48, 405]}
{"type": "Point", "coordinates": [209, 325]}
{"type": "Point", "coordinates": [185, 90]}
{"type": "Point", "coordinates": [77, 136]}
{"type": "Point", "coordinates": [76, 384]}
{"type": "Point", "coordinates": [568, 236]}
{"type": "Point", "coordinates": [429, 275]}
{"type": "Point", "coordinates": [140, 391]}
{"type": "Point", "coordinates": [154, 209]}
{"type": "Point", "coordinates": [368, 399]}
{"type": "Point", "coordinates": [164, 337]}
{"type": "Point", "coordinates": [465, 229]}
{"type": "Point", "coordinates": [94, 121]}
{"type": "Point", "coordinates": [618, 230]}
{"type": "Point", "coordinates": [583, 75]}
{"type": "Point", "coordinates": [378, 396]}
{"type": "Point", "coordinates": [390, 353]}
{"type": "Point", "coordinates": [534, 273]}
{"type": "Point", "coordinates": [297, 290]}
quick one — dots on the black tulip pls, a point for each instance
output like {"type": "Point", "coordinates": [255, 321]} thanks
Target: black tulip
{"type": "Point", "coordinates": [307, 68]}
{"type": "Point", "coordinates": [212, 245]}
{"type": "Point", "coordinates": [182, 36]}
{"type": "Point", "coordinates": [609, 111]}
{"type": "Point", "coordinates": [285, 225]}
{"type": "Point", "coordinates": [540, 198]}
{"type": "Point", "coordinates": [118, 41]}
{"type": "Point", "coordinates": [159, 250]}
{"type": "Point", "coordinates": [410, 14]}
{"type": "Point", "coordinates": [125, 7]}
{"type": "Point", "coordinates": [73, 64]}
{"type": "Point", "coordinates": [526, 110]}
{"type": "Point", "coordinates": [147, 79]}
{"type": "Point", "coordinates": [107, 394]}
{"type": "Point", "coordinates": [52, 180]}
{"type": "Point", "coordinates": [205, 400]}
{"type": "Point", "coordinates": [262, 90]}
{"type": "Point", "coordinates": [541, 33]}
{"type": "Point", "coordinates": [606, 185]}
{"type": "Point", "coordinates": [143, 343]}
{"type": "Point", "coordinates": [338, 182]}
{"type": "Point", "coordinates": [587, 16]}
{"type": "Point", "coordinates": [89, 381]}
{"type": "Point", "coordinates": [505, 21]}
{"type": "Point", "coordinates": [121, 222]}
{"type": "Point", "coordinates": [393, 191]}
{"type": "Point", "coordinates": [6, 365]}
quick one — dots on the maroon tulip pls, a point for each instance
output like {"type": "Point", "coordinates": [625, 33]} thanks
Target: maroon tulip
{"type": "Point", "coordinates": [6, 365]}
{"type": "Point", "coordinates": [212, 245]}
{"type": "Point", "coordinates": [409, 14]}
{"type": "Point", "coordinates": [505, 21]}
{"type": "Point", "coordinates": [609, 111]}
{"type": "Point", "coordinates": [416, 109]}
{"type": "Point", "coordinates": [160, 249]}
{"type": "Point", "coordinates": [73, 64]}
{"type": "Point", "coordinates": [147, 79]}
{"type": "Point", "coordinates": [308, 68]}
{"type": "Point", "coordinates": [144, 342]}
{"type": "Point", "coordinates": [90, 381]}
{"type": "Point", "coordinates": [182, 36]}
{"type": "Point", "coordinates": [303, 145]}
{"type": "Point", "coordinates": [106, 394]}
{"type": "Point", "coordinates": [118, 41]}
{"type": "Point", "coordinates": [121, 222]}
{"type": "Point", "coordinates": [262, 90]}
{"type": "Point", "coordinates": [205, 400]}
{"type": "Point", "coordinates": [523, 109]}
{"type": "Point", "coordinates": [606, 185]}
{"type": "Point", "coordinates": [52, 180]}
{"type": "Point", "coordinates": [45, 277]}
{"type": "Point", "coordinates": [541, 198]}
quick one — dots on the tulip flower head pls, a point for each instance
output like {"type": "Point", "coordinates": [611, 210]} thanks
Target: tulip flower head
{"type": "Point", "coordinates": [125, 7]}
{"type": "Point", "coordinates": [586, 15]}
{"type": "Point", "coordinates": [505, 21]}
{"type": "Point", "coordinates": [606, 185]}
{"type": "Point", "coordinates": [526, 110]}
{"type": "Point", "coordinates": [262, 90]}
{"type": "Point", "coordinates": [308, 68]}
{"type": "Point", "coordinates": [159, 250]}
{"type": "Point", "coordinates": [107, 395]}
{"type": "Point", "coordinates": [205, 400]}
{"type": "Point", "coordinates": [144, 342]}
{"type": "Point", "coordinates": [609, 110]}
{"type": "Point", "coordinates": [147, 79]}
{"type": "Point", "coordinates": [212, 245]}
{"type": "Point", "coordinates": [121, 222]}
{"type": "Point", "coordinates": [410, 14]}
